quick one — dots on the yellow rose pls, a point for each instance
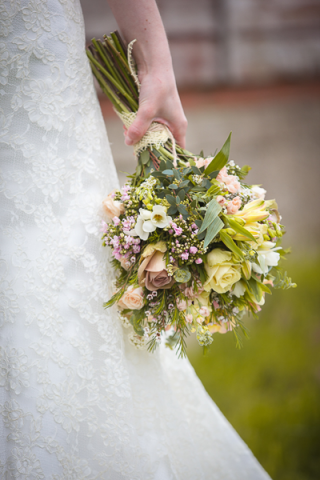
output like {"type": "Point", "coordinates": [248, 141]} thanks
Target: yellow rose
{"type": "Point", "coordinates": [222, 271]}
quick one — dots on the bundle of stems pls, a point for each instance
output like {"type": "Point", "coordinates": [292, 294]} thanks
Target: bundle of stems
{"type": "Point", "coordinates": [110, 66]}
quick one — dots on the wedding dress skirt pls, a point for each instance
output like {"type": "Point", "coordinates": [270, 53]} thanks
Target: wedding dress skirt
{"type": "Point", "coordinates": [77, 400]}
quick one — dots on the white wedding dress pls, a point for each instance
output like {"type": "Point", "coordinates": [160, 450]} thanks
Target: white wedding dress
{"type": "Point", "coordinates": [77, 401]}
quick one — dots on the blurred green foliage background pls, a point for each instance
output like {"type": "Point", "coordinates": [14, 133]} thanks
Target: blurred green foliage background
{"type": "Point", "coordinates": [270, 389]}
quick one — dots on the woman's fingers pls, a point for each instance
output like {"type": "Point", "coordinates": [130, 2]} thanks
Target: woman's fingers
{"type": "Point", "coordinates": [179, 130]}
{"type": "Point", "coordinates": [139, 127]}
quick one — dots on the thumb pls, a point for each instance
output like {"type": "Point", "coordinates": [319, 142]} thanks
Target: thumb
{"type": "Point", "coordinates": [139, 127]}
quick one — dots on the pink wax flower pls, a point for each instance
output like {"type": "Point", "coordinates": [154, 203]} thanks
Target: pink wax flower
{"type": "Point", "coordinates": [234, 205]}
{"type": "Point", "coordinates": [198, 261]}
{"type": "Point", "coordinates": [125, 197]}
{"type": "Point", "coordinates": [193, 250]}
{"type": "Point", "coordinates": [171, 231]}
{"type": "Point", "coordinates": [178, 230]}
{"type": "Point", "coordinates": [184, 255]}
{"type": "Point", "coordinates": [194, 226]}
{"type": "Point", "coordinates": [136, 248]}
{"type": "Point", "coordinates": [216, 305]}
{"type": "Point", "coordinates": [116, 220]}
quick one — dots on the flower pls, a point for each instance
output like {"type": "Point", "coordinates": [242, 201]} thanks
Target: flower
{"type": "Point", "coordinates": [193, 250]}
{"type": "Point", "coordinates": [255, 211]}
{"type": "Point", "coordinates": [132, 298]}
{"type": "Point", "coordinates": [189, 318]}
{"type": "Point", "coordinates": [223, 175]}
{"type": "Point", "coordinates": [152, 272]}
{"type": "Point", "coordinates": [222, 271]}
{"type": "Point", "coordinates": [221, 200]}
{"type": "Point", "coordinates": [198, 261]}
{"type": "Point", "coordinates": [267, 257]}
{"type": "Point", "coordinates": [125, 263]}
{"type": "Point", "coordinates": [224, 328]}
{"type": "Point", "coordinates": [231, 181]}
{"type": "Point", "coordinates": [148, 221]}
{"type": "Point", "coordinates": [258, 192]}
{"type": "Point", "coordinates": [234, 205]}
{"type": "Point", "coordinates": [204, 311]}
{"type": "Point", "coordinates": [112, 208]}
{"type": "Point", "coordinates": [239, 289]}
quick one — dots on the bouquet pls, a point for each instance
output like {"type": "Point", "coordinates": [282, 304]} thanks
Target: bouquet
{"type": "Point", "coordinates": [195, 248]}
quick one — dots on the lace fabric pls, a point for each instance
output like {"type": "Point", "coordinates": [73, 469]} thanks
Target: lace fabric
{"type": "Point", "coordinates": [77, 400]}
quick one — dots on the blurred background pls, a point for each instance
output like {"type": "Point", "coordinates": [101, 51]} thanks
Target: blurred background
{"type": "Point", "coordinates": [253, 67]}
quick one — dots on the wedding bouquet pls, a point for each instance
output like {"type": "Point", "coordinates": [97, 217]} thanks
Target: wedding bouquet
{"type": "Point", "coordinates": [195, 248]}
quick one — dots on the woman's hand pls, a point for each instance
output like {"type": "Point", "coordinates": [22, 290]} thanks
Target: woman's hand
{"type": "Point", "coordinates": [160, 102]}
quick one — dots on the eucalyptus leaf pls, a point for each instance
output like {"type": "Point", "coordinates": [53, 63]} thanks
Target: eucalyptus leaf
{"type": "Point", "coordinates": [184, 183]}
{"type": "Point", "coordinates": [196, 170]}
{"type": "Point", "coordinates": [178, 199]}
{"type": "Point", "coordinates": [192, 163]}
{"type": "Point", "coordinates": [182, 275]}
{"type": "Point", "coordinates": [182, 209]}
{"type": "Point", "coordinates": [144, 157]}
{"type": "Point", "coordinates": [168, 172]}
{"type": "Point", "coordinates": [182, 195]}
{"type": "Point", "coordinates": [172, 210]}
{"type": "Point", "coordinates": [221, 159]}
{"type": "Point", "coordinates": [176, 174]}
{"type": "Point", "coordinates": [213, 230]}
{"type": "Point", "coordinates": [171, 199]}
{"type": "Point", "coordinates": [173, 186]}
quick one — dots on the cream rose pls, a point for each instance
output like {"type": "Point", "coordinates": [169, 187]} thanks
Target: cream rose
{"type": "Point", "coordinates": [234, 205]}
{"type": "Point", "coordinates": [152, 272]}
{"type": "Point", "coordinates": [132, 298]}
{"type": "Point", "coordinates": [112, 208]}
{"type": "Point", "coordinates": [222, 271]}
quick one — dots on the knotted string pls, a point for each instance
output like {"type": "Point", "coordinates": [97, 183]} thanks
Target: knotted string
{"type": "Point", "coordinates": [158, 133]}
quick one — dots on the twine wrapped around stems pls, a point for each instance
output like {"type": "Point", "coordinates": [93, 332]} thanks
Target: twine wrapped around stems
{"type": "Point", "coordinates": [158, 133]}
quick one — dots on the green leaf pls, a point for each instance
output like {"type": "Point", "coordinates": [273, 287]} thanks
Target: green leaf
{"type": "Point", "coordinates": [221, 159]}
{"type": "Point", "coordinates": [244, 171]}
{"type": "Point", "coordinates": [168, 172]}
{"type": "Point", "coordinates": [184, 183]}
{"type": "Point", "coordinates": [176, 174]}
{"type": "Point", "coordinates": [138, 169]}
{"type": "Point", "coordinates": [178, 200]}
{"type": "Point", "coordinates": [238, 228]}
{"type": "Point", "coordinates": [192, 163]}
{"type": "Point", "coordinates": [227, 240]}
{"type": "Point", "coordinates": [172, 210]}
{"type": "Point", "coordinates": [173, 186]}
{"type": "Point", "coordinates": [196, 170]}
{"type": "Point", "coordinates": [213, 210]}
{"type": "Point", "coordinates": [182, 275]}
{"type": "Point", "coordinates": [144, 157]}
{"type": "Point", "coordinates": [182, 195]}
{"type": "Point", "coordinates": [212, 231]}
{"type": "Point", "coordinates": [182, 209]}
{"type": "Point", "coordinates": [171, 199]}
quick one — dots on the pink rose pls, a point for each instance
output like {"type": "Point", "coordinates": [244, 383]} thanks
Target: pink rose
{"type": "Point", "coordinates": [221, 200]}
{"type": "Point", "coordinates": [234, 205]}
{"type": "Point", "coordinates": [132, 298]}
{"type": "Point", "coordinates": [223, 175]}
{"type": "Point", "coordinates": [233, 185]}
{"type": "Point", "coordinates": [112, 208]}
{"type": "Point", "coordinates": [189, 318]}
{"type": "Point", "coordinates": [153, 274]}
{"type": "Point", "coordinates": [203, 162]}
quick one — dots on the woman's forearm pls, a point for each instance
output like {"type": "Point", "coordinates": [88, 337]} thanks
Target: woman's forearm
{"type": "Point", "coordinates": [140, 19]}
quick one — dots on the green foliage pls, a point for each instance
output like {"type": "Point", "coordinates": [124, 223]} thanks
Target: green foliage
{"type": "Point", "coordinates": [227, 240]}
{"type": "Point", "coordinates": [221, 159]}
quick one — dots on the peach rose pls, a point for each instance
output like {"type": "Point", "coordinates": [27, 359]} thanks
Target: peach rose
{"type": "Point", "coordinates": [203, 162]}
{"type": "Point", "coordinates": [234, 205]}
{"type": "Point", "coordinates": [112, 208]}
{"type": "Point", "coordinates": [223, 175]}
{"type": "Point", "coordinates": [233, 185]}
{"type": "Point", "coordinates": [132, 298]}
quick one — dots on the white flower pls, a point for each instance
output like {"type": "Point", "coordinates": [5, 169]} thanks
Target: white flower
{"type": "Point", "coordinates": [258, 191]}
{"type": "Point", "coordinates": [267, 257]}
{"type": "Point", "coordinates": [148, 221]}
{"type": "Point", "coordinates": [239, 289]}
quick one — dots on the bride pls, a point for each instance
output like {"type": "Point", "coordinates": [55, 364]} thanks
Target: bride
{"type": "Point", "coordinates": [77, 401]}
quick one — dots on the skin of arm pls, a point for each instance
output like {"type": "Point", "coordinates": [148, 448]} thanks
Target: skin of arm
{"type": "Point", "coordinates": [159, 98]}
